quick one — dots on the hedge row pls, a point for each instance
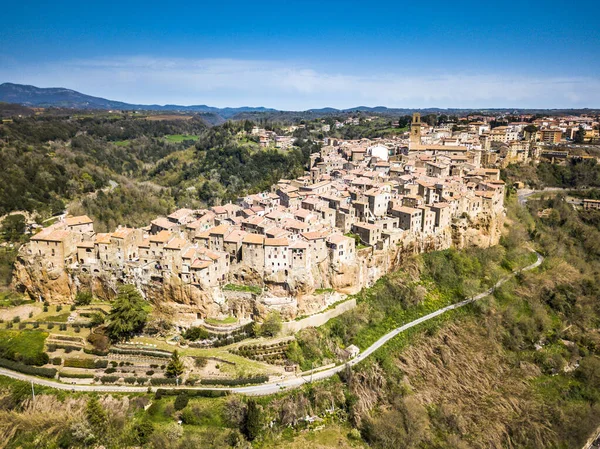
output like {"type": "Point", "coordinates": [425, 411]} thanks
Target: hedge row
{"type": "Point", "coordinates": [67, 348]}
{"type": "Point", "coordinates": [108, 379]}
{"type": "Point", "coordinates": [66, 338]}
{"type": "Point", "coordinates": [143, 352]}
{"type": "Point", "coordinates": [76, 375]}
{"type": "Point", "coordinates": [95, 351]}
{"type": "Point", "coordinates": [233, 382]}
{"type": "Point", "coordinates": [163, 381]}
{"type": "Point", "coordinates": [191, 393]}
{"type": "Point", "coordinates": [26, 369]}
{"type": "Point", "coordinates": [85, 363]}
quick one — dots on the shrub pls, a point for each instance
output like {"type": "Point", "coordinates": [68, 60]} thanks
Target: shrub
{"type": "Point", "coordinates": [58, 308]}
{"type": "Point", "coordinates": [100, 363]}
{"type": "Point", "coordinates": [110, 370]}
{"type": "Point", "coordinates": [196, 333]}
{"type": "Point", "coordinates": [130, 380]}
{"type": "Point", "coordinates": [150, 373]}
{"type": "Point", "coordinates": [50, 326]}
{"type": "Point", "coordinates": [109, 379]}
{"type": "Point", "coordinates": [83, 298]}
{"type": "Point", "coordinates": [36, 325]}
{"type": "Point", "coordinates": [22, 326]}
{"type": "Point", "coordinates": [95, 351]}
{"type": "Point", "coordinates": [181, 401]}
{"type": "Point", "coordinates": [56, 361]}
{"type": "Point", "coordinates": [26, 369]}
{"type": "Point", "coordinates": [142, 380]}
{"type": "Point", "coordinates": [16, 319]}
{"type": "Point", "coordinates": [200, 362]}
{"type": "Point", "coordinates": [76, 375]}
{"type": "Point", "coordinates": [45, 308]}
{"type": "Point", "coordinates": [160, 392]}
{"type": "Point", "coordinates": [79, 363]}
{"type": "Point", "coordinates": [73, 307]}
{"type": "Point", "coordinates": [163, 381]}
{"type": "Point", "coordinates": [189, 416]}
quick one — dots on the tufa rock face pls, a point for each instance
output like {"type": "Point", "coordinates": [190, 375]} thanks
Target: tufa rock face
{"type": "Point", "coordinates": [291, 293]}
{"type": "Point", "coordinates": [41, 283]}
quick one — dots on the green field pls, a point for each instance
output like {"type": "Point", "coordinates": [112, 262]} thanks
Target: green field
{"type": "Point", "coordinates": [215, 322]}
{"type": "Point", "coordinates": [243, 288]}
{"type": "Point", "coordinates": [178, 138]}
{"type": "Point", "coordinates": [25, 346]}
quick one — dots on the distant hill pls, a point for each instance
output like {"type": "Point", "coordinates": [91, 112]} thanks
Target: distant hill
{"type": "Point", "coordinates": [66, 98]}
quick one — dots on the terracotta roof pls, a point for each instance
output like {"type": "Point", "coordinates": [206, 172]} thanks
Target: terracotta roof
{"type": "Point", "coordinates": [102, 238]}
{"type": "Point", "coordinates": [176, 243]}
{"type": "Point", "coordinates": [236, 236]}
{"type": "Point", "coordinates": [337, 238]}
{"type": "Point", "coordinates": [276, 242]}
{"type": "Point", "coordinates": [254, 239]}
{"type": "Point", "coordinates": [315, 235]}
{"type": "Point", "coordinates": [201, 264]}
{"type": "Point", "coordinates": [76, 221]}
{"type": "Point", "coordinates": [219, 230]}
{"type": "Point", "coordinates": [121, 233]}
{"type": "Point", "coordinates": [180, 213]}
{"type": "Point", "coordinates": [164, 223]}
{"type": "Point", "coordinates": [161, 237]}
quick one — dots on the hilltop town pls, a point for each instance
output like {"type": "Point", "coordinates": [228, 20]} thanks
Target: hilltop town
{"type": "Point", "coordinates": [360, 208]}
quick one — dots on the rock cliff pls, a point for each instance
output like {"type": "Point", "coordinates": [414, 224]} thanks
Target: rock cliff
{"type": "Point", "coordinates": [292, 293]}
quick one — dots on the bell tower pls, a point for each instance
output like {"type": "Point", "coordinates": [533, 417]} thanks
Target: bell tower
{"type": "Point", "coordinates": [415, 129]}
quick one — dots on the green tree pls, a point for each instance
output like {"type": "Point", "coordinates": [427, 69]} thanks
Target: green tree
{"type": "Point", "coordinates": [83, 298]}
{"type": "Point", "coordinates": [175, 367]}
{"type": "Point", "coordinates": [579, 135]}
{"type": "Point", "coordinates": [142, 431]}
{"type": "Point", "coordinates": [13, 227]}
{"type": "Point", "coordinates": [252, 426]}
{"type": "Point", "coordinates": [272, 324]}
{"type": "Point", "coordinates": [96, 416]}
{"type": "Point", "coordinates": [128, 314]}
{"type": "Point", "coordinates": [181, 401]}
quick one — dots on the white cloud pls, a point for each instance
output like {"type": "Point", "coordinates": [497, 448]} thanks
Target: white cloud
{"type": "Point", "coordinates": [288, 85]}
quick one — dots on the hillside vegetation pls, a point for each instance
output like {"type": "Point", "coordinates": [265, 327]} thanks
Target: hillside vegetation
{"type": "Point", "coordinates": [519, 369]}
{"type": "Point", "coordinates": [127, 168]}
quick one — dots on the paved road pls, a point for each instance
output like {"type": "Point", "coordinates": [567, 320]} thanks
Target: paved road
{"type": "Point", "coordinates": [274, 387]}
{"type": "Point", "coordinates": [524, 194]}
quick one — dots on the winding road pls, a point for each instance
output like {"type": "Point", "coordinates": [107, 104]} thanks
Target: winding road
{"type": "Point", "coordinates": [275, 387]}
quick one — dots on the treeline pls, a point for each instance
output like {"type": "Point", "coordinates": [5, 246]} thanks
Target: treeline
{"type": "Point", "coordinates": [225, 166]}
{"type": "Point", "coordinates": [52, 159]}
{"type": "Point", "coordinates": [129, 204]}
{"type": "Point", "coordinates": [114, 127]}
{"type": "Point", "coordinates": [576, 173]}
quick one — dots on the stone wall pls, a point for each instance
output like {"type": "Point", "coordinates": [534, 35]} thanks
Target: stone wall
{"type": "Point", "coordinates": [291, 327]}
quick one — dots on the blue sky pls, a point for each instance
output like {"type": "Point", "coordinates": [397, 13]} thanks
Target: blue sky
{"type": "Point", "coordinates": [298, 55]}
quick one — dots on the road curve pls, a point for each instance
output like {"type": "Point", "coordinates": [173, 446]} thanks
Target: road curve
{"type": "Point", "coordinates": [275, 387]}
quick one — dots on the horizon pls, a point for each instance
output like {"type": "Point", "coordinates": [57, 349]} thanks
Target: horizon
{"type": "Point", "coordinates": [345, 110]}
{"type": "Point", "coordinates": [299, 56]}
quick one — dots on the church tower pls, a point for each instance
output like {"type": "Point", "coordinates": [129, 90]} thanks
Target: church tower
{"type": "Point", "coordinates": [415, 129]}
